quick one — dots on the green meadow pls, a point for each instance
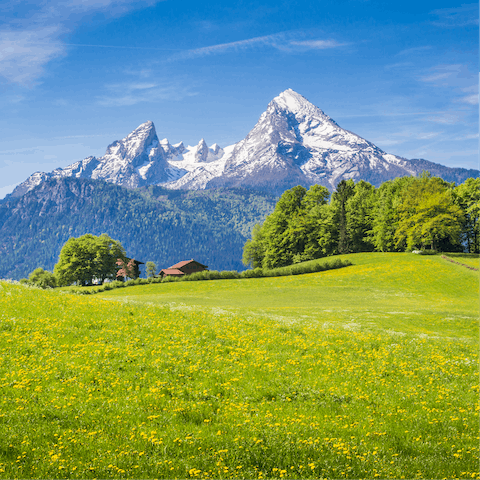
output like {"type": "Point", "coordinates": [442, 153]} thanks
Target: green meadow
{"type": "Point", "coordinates": [367, 371]}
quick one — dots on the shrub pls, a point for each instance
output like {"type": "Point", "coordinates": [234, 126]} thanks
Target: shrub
{"type": "Point", "coordinates": [42, 278]}
{"type": "Point", "coordinates": [229, 274]}
{"type": "Point", "coordinates": [254, 273]}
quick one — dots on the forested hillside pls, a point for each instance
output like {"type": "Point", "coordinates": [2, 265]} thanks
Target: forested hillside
{"type": "Point", "coordinates": [153, 224]}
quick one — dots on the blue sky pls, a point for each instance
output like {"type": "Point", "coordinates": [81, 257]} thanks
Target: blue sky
{"type": "Point", "coordinates": [75, 75]}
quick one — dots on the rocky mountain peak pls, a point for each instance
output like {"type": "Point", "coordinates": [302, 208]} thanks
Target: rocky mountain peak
{"type": "Point", "coordinates": [135, 147]}
{"type": "Point", "coordinates": [292, 102]}
{"type": "Point", "coordinates": [293, 143]}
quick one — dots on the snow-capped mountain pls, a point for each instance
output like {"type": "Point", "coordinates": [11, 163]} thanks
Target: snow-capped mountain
{"type": "Point", "coordinates": [138, 159]}
{"type": "Point", "coordinates": [293, 143]}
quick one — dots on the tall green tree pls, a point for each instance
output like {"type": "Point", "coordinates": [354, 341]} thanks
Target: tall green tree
{"type": "Point", "coordinates": [254, 248]}
{"type": "Point", "coordinates": [289, 233]}
{"type": "Point", "coordinates": [280, 245]}
{"type": "Point", "coordinates": [428, 214]}
{"type": "Point", "coordinates": [467, 197]}
{"type": "Point", "coordinates": [88, 257]}
{"type": "Point", "coordinates": [359, 217]}
{"type": "Point", "coordinates": [344, 191]}
{"type": "Point", "coordinates": [151, 269]}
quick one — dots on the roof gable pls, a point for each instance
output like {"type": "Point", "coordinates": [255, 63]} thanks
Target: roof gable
{"type": "Point", "coordinates": [172, 271]}
{"type": "Point", "coordinates": [187, 262]}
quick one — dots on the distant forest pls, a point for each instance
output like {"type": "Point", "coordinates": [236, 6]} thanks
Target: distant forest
{"type": "Point", "coordinates": [153, 223]}
{"type": "Point", "coordinates": [422, 213]}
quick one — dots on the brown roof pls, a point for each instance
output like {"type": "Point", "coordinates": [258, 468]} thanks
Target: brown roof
{"type": "Point", "coordinates": [186, 262]}
{"type": "Point", "coordinates": [172, 271]}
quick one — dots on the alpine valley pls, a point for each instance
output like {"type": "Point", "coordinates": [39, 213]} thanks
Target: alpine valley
{"type": "Point", "coordinates": [168, 203]}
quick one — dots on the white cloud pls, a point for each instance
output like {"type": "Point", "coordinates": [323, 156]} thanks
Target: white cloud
{"type": "Point", "coordinates": [414, 50]}
{"type": "Point", "coordinates": [450, 75]}
{"type": "Point", "coordinates": [399, 65]}
{"type": "Point", "coordinates": [127, 94]}
{"type": "Point", "coordinates": [276, 41]}
{"type": "Point", "coordinates": [427, 135]}
{"type": "Point", "coordinates": [403, 136]}
{"type": "Point", "coordinates": [30, 37]}
{"type": "Point", "coordinates": [319, 44]}
{"type": "Point", "coordinates": [23, 54]}
{"type": "Point", "coordinates": [280, 41]}
{"type": "Point", "coordinates": [472, 136]}
{"type": "Point", "coordinates": [445, 119]}
{"type": "Point", "coordinates": [470, 99]}
{"type": "Point", "coordinates": [457, 17]}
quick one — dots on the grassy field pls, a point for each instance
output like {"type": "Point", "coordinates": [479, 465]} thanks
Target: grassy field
{"type": "Point", "coordinates": [369, 371]}
{"type": "Point", "coordinates": [380, 291]}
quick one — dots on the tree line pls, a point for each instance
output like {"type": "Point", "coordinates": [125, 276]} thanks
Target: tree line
{"type": "Point", "coordinates": [403, 214]}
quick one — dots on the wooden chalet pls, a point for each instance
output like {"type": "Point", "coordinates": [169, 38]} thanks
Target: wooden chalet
{"type": "Point", "coordinates": [183, 268]}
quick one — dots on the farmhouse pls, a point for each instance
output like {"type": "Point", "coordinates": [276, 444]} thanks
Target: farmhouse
{"type": "Point", "coordinates": [183, 268]}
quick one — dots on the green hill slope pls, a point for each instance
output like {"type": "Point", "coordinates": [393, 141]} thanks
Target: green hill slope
{"type": "Point", "coordinates": [398, 291]}
{"type": "Point", "coordinates": [370, 371]}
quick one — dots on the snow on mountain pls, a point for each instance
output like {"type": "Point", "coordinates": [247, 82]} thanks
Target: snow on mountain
{"type": "Point", "coordinates": [293, 143]}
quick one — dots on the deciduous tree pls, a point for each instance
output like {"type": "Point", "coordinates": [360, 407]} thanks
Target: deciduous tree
{"type": "Point", "coordinates": [86, 258]}
{"type": "Point", "coordinates": [151, 269]}
{"type": "Point", "coordinates": [428, 214]}
{"type": "Point", "coordinates": [467, 197]}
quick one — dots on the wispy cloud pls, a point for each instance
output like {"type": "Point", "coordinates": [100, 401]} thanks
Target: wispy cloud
{"type": "Point", "coordinates": [445, 119]}
{"type": "Point", "coordinates": [449, 75]}
{"type": "Point", "coordinates": [472, 95]}
{"type": "Point", "coordinates": [132, 93]}
{"type": "Point", "coordinates": [275, 41]}
{"type": "Point", "coordinates": [280, 41]}
{"type": "Point", "coordinates": [461, 138]}
{"type": "Point", "coordinates": [414, 50]}
{"type": "Point", "coordinates": [456, 17]}
{"type": "Point", "coordinates": [319, 44]}
{"type": "Point", "coordinates": [31, 33]}
{"type": "Point", "coordinates": [405, 135]}
{"type": "Point", "coordinates": [470, 99]}
{"type": "Point", "coordinates": [399, 65]}
{"type": "Point", "coordinates": [23, 54]}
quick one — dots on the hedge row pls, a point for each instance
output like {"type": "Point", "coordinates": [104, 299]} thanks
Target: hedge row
{"type": "Point", "coordinates": [298, 269]}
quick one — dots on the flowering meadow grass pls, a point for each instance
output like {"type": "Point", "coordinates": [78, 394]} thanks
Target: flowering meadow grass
{"type": "Point", "coordinates": [257, 388]}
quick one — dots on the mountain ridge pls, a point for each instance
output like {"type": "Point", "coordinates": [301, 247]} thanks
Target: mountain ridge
{"type": "Point", "coordinates": [293, 143]}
